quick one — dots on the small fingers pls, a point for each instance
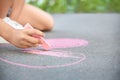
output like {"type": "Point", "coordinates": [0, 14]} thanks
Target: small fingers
{"type": "Point", "coordinates": [28, 45]}
{"type": "Point", "coordinates": [34, 32]}
{"type": "Point", "coordinates": [33, 40]}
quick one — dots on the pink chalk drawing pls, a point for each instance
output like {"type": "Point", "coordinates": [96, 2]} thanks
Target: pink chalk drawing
{"type": "Point", "coordinates": [66, 42]}
{"type": "Point", "coordinates": [55, 44]}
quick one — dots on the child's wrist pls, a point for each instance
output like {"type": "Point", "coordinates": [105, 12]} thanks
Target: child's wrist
{"type": "Point", "coordinates": [7, 33]}
{"type": "Point", "coordinates": [13, 25]}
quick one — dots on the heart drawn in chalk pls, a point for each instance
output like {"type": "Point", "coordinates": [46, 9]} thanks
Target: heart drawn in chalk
{"type": "Point", "coordinates": [57, 58]}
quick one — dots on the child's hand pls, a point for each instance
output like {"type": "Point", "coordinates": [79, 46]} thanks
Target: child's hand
{"type": "Point", "coordinates": [23, 38]}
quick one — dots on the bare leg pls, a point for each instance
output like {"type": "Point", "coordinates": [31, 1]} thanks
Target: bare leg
{"type": "Point", "coordinates": [36, 17]}
{"type": "Point", "coordinates": [4, 7]}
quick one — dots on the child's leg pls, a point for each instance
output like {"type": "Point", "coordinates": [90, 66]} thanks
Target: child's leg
{"type": "Point", "coordinates": [4, 7]}
{"type": "Point", "coordinates": [36, 17]}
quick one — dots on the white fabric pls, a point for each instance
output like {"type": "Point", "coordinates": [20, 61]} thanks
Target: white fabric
{"type": "Point", "coordinates": [12, 23]}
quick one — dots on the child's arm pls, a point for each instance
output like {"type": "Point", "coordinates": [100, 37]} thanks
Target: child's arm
{"type": "Point", "coordinates": [21, 38]}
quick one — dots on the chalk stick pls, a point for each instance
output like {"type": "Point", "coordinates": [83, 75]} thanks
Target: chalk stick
{"type": "Point", "coordinates": [44, 43]}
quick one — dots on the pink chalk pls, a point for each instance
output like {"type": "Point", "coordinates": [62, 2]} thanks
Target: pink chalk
{"type": "Point", "coordinates": [28, 26]}
{"type": "Point", "coordinates": [80, 59]}
{"type": "Point", "coordinates": [44, 43]}
{"type": "Point", "coordinates": [66, 42]}
{"type": "Point", "coordinates": [55, 43]}
{"type": "Point", "coordinates": [56, 53]}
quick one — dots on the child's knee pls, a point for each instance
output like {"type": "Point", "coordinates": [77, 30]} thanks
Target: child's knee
{"type": "Point", "coordinates": [44, 26]}
{"type": "Point", "coordinates": [50, 24]}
